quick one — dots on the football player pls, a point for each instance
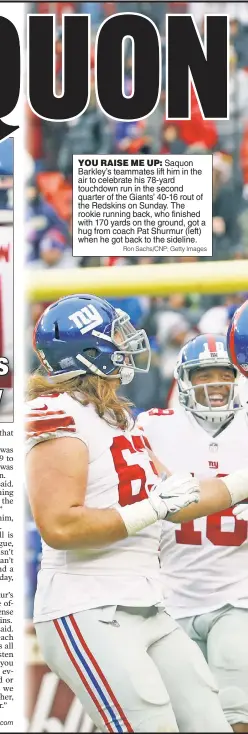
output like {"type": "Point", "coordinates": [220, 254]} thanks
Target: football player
{"type": "Point", "coordinates": [205, 562]}
{"type": "Point", "coordinates": [98, 501]}
{"type": "Point", "coordinates": [237, 345]}
{"type": "Point", "coordinates": [237, 339]}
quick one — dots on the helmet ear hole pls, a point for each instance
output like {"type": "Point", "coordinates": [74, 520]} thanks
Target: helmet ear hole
{"type": "Point", "coordinates": [92, 353]}
{"type": "Point", "coordinates": [56, 330]}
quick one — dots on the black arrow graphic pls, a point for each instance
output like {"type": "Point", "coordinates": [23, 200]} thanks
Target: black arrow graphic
{"type": "Point", "coordinates": [7, 130]}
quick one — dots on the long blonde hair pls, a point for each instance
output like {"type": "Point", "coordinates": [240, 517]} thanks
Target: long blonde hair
{"type": "Point", "coordinates": [98, 391]}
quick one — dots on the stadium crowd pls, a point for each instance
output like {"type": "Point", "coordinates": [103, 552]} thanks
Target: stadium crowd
{"type": "Point", "coordinates": [171, 321]}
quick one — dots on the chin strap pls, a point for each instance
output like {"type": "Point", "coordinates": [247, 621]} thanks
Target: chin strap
{"type": "Point", "coordinates": [126, 375]}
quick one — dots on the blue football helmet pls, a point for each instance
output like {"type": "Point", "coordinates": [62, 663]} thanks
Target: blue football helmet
{"type": "Point", "coordinates": [84, 334]}
{"type": "Point", "coordinates": [237, 339]}
{"type": "Point", "coordinates": [205, 351]}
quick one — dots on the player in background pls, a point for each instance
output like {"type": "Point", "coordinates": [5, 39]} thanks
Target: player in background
{"type": "Point", "coordinates": [98, 502]}
{"type": "Point", "coordinates": [237, 345]}
{"type": "Point", "coordinates": [205, 563]}
{"type": "Point", "coordinates": [237, 339]}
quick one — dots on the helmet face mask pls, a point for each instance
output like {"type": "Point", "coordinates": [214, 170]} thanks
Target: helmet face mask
{"type": "Point", "coordinates": [207, 353]}
{"type": "Point", "coordinates": [206, 409]}
{"type": "Point", "coordinates": [130, 343]}
{"type": "Point", "coordinates": [84, 334]}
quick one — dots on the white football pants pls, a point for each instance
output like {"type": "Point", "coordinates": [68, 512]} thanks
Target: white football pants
{"type": "Point", "coordinates": [134, 670]}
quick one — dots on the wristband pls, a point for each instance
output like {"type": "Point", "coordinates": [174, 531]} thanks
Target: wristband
{"type": "Point", "coordinates": [237, 485]}
{"type": "Point", "coordinates": [137, 516]}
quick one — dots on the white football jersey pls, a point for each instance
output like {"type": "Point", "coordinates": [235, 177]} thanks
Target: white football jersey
{"type": "Point", "coordinates": [120, 473]}
{"type": "Point", "coordinates": [204, 562]}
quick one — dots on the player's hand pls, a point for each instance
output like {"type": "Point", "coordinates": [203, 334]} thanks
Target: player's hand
{"type": "Point", "coordinates": [241, 512]}
{"type": "Point", "coordinates": [171, 495]}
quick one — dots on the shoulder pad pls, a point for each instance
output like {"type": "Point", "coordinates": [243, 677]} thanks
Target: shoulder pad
{"type": "Point", "coordinates": [154, 412]}
{"type": "Point", "coordinates": [143, 418]}
{"type": "Point", "coordinates": [160, 411]}
{"type": "Point", "coordinates": [49, 414]}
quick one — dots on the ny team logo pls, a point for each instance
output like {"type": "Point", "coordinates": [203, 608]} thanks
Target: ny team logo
{"type": "Point", "coordinates": [86, 319]}
{"type": "Point", "coordinates": [213, 464]}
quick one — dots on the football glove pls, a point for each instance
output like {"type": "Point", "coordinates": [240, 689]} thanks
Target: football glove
{"type": "Point", "coordinates": [174, 493]}
{"type": "Point", "coordinates": [241, 512]}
